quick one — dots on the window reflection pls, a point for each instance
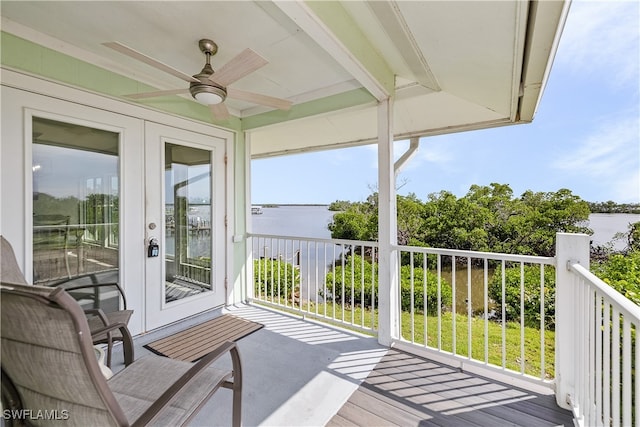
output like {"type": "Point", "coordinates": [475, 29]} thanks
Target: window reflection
{"type": "Point", "coordinates": [187, 221]}
{"type": "Point", "coordinates": [75, 203]}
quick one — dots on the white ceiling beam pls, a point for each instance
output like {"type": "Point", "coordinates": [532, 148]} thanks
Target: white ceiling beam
{"type": "Point", "coordinates": [391, 19]}
{"type": "Point", "coordinates": [317, 29]}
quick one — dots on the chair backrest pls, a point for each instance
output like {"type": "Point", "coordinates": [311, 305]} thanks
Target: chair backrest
{"type": "Point", "coordinates": [48, 355]}
{"type": "Point", "coordinates": [9, 272]}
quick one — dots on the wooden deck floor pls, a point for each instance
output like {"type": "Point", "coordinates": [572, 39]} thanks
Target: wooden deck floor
{"type": "Point", "coordinates": [407, 390]}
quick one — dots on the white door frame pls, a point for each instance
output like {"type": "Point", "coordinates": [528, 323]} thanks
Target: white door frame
{"type": "Point", "coordinates": [159, 312]}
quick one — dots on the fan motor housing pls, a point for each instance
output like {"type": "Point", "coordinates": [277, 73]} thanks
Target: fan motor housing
{"type": "Point", "coordinates": [206, 85]}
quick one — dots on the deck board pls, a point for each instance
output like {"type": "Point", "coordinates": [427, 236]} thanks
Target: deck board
{"type": "Point", "coordinates": [409, 390]}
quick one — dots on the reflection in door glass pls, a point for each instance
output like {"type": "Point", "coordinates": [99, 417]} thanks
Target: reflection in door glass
{"type": "Point", "coordinates": [75, 204]}
{"type": "Point", "coordinates": [188, 233]}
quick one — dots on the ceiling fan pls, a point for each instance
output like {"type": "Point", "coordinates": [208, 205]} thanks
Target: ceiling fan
{"type": "Point", "coordinates": [210, 87]}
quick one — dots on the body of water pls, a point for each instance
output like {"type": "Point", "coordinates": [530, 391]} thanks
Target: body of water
{"type": "Point", "coordinates": [606, 226]}
{"type": "Point", "coordinates": [295, 221]}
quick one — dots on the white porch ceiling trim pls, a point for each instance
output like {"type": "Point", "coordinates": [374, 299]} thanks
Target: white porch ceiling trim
{"type": "Point", "coordinates": [394, 24]}
{"type": "Point", "coordinates": [311, 24]}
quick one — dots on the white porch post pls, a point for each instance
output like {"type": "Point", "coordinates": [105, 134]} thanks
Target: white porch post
{"type": "Point", "coordinates": [387, 234]}
{"type": "Point", "coordinates": [569, 247]}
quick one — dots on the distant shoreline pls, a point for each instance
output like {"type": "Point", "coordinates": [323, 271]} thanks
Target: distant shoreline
{"type": "Point", "coordinates": [276, 205]}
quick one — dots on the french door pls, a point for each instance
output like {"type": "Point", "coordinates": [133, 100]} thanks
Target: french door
{"type": "Point", "coordinates": [185, 223]}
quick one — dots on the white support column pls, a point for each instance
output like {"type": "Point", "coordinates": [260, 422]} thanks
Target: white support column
{"type": "Point", "coordinates": [575, 248]}
{"type": "Point", "coordinates": [249, 287]}
{"type": "Point", "coordinates": [387, 229]}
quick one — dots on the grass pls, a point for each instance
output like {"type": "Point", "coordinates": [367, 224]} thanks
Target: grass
{"type": "Point", "coordinates": [513, 357]}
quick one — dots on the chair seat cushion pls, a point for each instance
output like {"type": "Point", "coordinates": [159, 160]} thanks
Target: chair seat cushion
{"type": "Point", "coordinates": [137, 387]}
{"type": "Point", "coordinates": [121, 316]}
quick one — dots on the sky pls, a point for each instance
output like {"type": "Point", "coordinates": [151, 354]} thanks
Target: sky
{"type": "Point", "coordinates": [585, 135]}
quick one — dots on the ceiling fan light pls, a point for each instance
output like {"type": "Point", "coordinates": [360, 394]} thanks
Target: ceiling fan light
{"type": "Point", "coordinates": [207, 94]}
{"type": "Point", "coordinates": [208, 98]}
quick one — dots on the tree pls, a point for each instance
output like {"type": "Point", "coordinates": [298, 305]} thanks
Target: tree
{"type": "Point", "coordinates": [487, 218]}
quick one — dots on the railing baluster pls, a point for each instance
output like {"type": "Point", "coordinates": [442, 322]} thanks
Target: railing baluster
{"type": "Point", "coordinates": [606, 368]}
{"type": "Point", "coordinates": [362, 270]}
{"type": "Point", "coordinates": [439, 273]}
{"type": "Point", "coordinates": [615, 370]}
{"type": "Point", "coordinates": [324, 280]}
{"type": "Point", "coordinates": [271, 270]}
{"type": "Point", "coordinates": [636, 379]}
{"type": "Point", "coordinates": [411, 301]}
{"type": "Point", "coordinates": [278, 263]}
{"type": "Point", "coordinates": [343, 286]}
{"type": "Point", "coordinates": [592, 354]}
{"type": "Point", "coordinates": [485, 283]}
{"type": "Point", "coordinates": [316, 278]}
{"type": "Point", "coordinates": [374, 291]}
{"type": "Point", "coordinates": [626, 372]}
{"type": "Point", "coordinates": [542, 322]}
{"type": "Point", "coordinates": [522, 315]}
{"type": "Point", "coordinates": [333, 284]}
{"type": "Point", "coordinates": [454, 330]}
{"type": "Point", "coordinates": [469, 315]}
{"type": "Point", "coordinates": [308, 268]}
{"type": "Point", "coordinates": [425, 298]}
{"type": "Point", "coordinates": [598, 359]}
{"type": "Point", "coordinates": [504, 316]}
{"type": "Point", "coordinates": [399, 265]}
{"type": "Point", "coordinates": [353, 280]}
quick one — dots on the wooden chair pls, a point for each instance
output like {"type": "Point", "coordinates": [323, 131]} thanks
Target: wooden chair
{"type": "Point", "coordinates": [50, 369]}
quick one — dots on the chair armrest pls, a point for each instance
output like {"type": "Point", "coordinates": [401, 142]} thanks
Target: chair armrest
{"type": "Point", "coordinates": [98, 313]}
{"type": "Point", "coordinates": [97, 285]}
{"type": "Point", "coordinates": [166, 397]}
{"type": "Point", "coordinates": [127, 341]}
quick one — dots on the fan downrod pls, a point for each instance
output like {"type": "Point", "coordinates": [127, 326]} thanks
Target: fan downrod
{"type": "Point", "coordinates": [208, 47]}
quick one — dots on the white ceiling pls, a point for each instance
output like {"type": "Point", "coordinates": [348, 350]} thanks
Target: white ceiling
{"type": "Point", "coordinates": [457, 65]}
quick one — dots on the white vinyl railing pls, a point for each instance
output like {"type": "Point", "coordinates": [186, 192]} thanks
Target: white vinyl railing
{"type": "Point", "coordinates": [508, 331]}
{"type": "Point", "coordinates": [607, 353]}
{"type": "Point", "coordinates": [317, 278]}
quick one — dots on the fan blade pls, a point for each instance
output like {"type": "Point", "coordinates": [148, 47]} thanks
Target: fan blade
{"type": "Point", "coordinates": [145, 95]}
{"type": "Point", "coordinates": [256, 98]}
{"type": "Point", "coordinates": [149, 61]}
{"type": "Point", "coordinates": [245, 63]}
{"type": "Point", "coordinates": [219, 111]}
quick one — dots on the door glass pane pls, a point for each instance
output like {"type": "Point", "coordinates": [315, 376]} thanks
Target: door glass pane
{"type": "Point", "coordinates": [75, 204]}
{"type": "Point", "coordinates": [188, 221]}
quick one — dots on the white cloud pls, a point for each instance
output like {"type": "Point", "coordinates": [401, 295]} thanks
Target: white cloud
{"type": "Point", "coordinates": [602, 36]}
{"type": "Point", "coordinates": [609, 156]}
{"type": "Point", "coordinates": [627, 189]}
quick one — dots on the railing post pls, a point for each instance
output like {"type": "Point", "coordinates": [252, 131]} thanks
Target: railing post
{"type": "Point", "coordinates": [574, 248]}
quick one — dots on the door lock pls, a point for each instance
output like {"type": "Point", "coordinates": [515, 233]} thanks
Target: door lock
{"type": "Point", "coordinates": [154, 248]}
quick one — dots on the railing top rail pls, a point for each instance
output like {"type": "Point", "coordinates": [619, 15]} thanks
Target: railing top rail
{"type": "Point", "coordinates": [313, 239]}
{"type": "Point", "coordinates": [616, 299]}
{"type": "Point", "coordinates": [474, 254]}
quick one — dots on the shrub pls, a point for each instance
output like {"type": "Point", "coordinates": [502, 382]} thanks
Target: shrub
{"type": "Point", "coordinates": [531, 295]}
{"type": "Point", "coordinates": [275, 277]}
{"type": "Point", "coordinates": [365, 277]}
{"type": "Point", "coordinates": [419, 290]}
{"type": "Point", "coordinates": [621, 272]}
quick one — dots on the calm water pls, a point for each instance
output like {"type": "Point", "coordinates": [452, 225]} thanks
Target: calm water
{"type": "Point", "coordinates": [605, 227]}
{"type": "Point", "coordinates": [296, 221]}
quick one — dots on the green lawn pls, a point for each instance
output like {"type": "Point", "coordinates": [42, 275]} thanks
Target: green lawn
{"type": "Point", "coordinates": [532, 350]}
